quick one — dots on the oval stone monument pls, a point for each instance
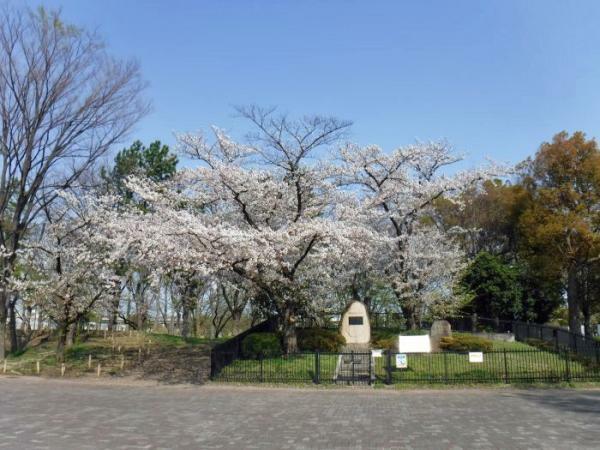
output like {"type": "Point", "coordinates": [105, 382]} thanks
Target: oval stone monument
{"type": "Point", "coordinates": [439, 329]}
{"type": "Point", "coordinates": [355, 326]}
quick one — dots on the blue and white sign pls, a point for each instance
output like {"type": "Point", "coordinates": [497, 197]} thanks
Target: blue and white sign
{"type": "Point", "coordinates": [401, 361]}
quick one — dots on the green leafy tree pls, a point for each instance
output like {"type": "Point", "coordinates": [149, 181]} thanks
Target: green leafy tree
{"type": "Point", "coordinates": [154, 162]}
{"type": "Point", "coordinates": [495, 288]}
{"type": "Point", "coordinates": [561, 227]}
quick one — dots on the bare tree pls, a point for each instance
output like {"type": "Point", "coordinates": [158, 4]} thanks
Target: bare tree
{"type": "Point", "coordinates": [63, 103]}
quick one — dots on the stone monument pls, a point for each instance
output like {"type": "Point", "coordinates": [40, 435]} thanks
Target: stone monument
{"type": "Point", "coordinates": [355, 326]}
{"type": "Point", "coordinates": [439, 329]}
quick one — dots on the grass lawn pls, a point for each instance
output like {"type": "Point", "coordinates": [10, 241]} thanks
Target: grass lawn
{"type": "Point", "coordinates": [521, 362]}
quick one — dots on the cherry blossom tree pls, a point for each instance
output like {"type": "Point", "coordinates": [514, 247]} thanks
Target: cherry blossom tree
{"type": "Point", "coordinates": [398, 191]}
{"type": "Point", "coordinates": [71, 266]}
{"type": "Point", "coordinates": [262, 211]}
{"type": "Point", "coordinates": [64, 102]}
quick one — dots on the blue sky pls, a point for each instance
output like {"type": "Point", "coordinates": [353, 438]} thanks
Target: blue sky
{"type": "Point", "coordinates": [494, 78]}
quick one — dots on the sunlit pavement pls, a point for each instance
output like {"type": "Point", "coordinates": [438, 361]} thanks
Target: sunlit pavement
{"type": "Point", "coordinates": [75, 414]}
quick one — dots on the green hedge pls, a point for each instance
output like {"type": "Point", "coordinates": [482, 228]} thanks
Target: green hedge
{"type": "Point", "coordinates": [255, 345]}
{"type": "Point", "coordinates": [320, 339]}
{"type": "Point", "coordinates": [463, 343]}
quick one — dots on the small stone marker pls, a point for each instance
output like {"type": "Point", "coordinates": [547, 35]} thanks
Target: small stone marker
{"type": "Point", "coordinates": [89, 361]}
{"type": "Point", "coordinates": [439, 329]}
{"type": "Point", "coordinates": [37, 367]}
{"type": "Point", "coordinates": [62, 369]}
{"type": "Point", "coordinates": [355, 326]}
{"type": "Point", "coordinates": [99, 370]}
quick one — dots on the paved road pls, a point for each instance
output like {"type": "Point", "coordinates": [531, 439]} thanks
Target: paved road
{"type": "Point", "coordinates": [63, 414]}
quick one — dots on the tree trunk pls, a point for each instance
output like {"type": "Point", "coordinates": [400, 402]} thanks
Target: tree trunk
{"type": "Point", "coordinates": [140, 320]}
{"type": "Point", "coordinates": [587, 320]}
{"type": "Point", "coordinates": [12, 327]}
{"type": "Point", "coordinates": [62, 341]}
{"type": "Point", "coordinates": [290, 340]}
{"type": "Point", "coordinates": [410, 315]}
{"type": "Point", "coordinates": [236, 322]}
{"type": "Point", "coordinates": [71, 334]}
{"type": "Point", "coordinates": [185, 320]}
{"type": "Point", "coordinates": [573, 300]}
{"type": "Point", "coordinates": [3, 319]}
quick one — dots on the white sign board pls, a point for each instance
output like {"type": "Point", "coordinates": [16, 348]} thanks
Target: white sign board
{"type": "Point", "coordinates": [475, 357]}
{"type": "Point", "coordinates": [401, 361]}
{"type": "Point", "coordinates": [414, 344]}
{"type": "Point", "coordinates": [376, 353]}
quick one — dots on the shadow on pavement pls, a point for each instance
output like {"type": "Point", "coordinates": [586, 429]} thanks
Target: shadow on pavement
{"type": "Point", "coordinates": [565, 400]}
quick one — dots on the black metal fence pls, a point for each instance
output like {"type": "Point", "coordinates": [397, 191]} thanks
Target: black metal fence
{"type": "Point", "coordinates": [560, 347]}
{"type": "Point", "coordinates": [503, 366]}
{"type": "Point", "coordinates": [231, 350]}
{"type": "Point", "coordinates": [554, 337]}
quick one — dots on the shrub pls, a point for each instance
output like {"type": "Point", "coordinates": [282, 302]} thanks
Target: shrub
{"type": "Point", "coordinates": [321, 339]}
{"type": "Point", "coordinates": [386, 343]}
{"type": "Point", "coordinates": [465, 343]}
{"type": "Point", "coordinates": [417, 332]}
{"type": "Point", "coordinates": [256, 344]}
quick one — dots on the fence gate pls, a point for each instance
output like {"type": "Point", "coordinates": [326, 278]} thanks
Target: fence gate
{"type": "Point", "coordinates": [354, 368]}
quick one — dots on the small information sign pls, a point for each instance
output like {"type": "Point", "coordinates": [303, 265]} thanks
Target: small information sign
{"type": "Point", "coordinates": [401, 361]}
{"type": "Point", "coordinates": [476, 357]}
{"type": "Point", "coordinates": [376, 353]}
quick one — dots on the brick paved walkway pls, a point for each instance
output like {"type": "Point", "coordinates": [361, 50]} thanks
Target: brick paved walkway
{"type": "Point", "coordinates": [63, 414]}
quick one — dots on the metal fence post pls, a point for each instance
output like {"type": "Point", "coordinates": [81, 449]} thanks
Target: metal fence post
{"type": "Point", "coordinates": [567, 366]}
{"type": "Point", "coordinates": [370, 367]}
{"type": "Point", "coordinates": [317, 368]}
{"type": "Point", "coordinates": [262, 374]}
{"type": "Point", "coordinates": [388, 368]}
{"type": "Point", "coordinates": [445, 367]}
{"type": "Point", "coordinates": [505, 368]}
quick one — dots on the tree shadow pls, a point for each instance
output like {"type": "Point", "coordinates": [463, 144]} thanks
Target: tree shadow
{"type": "Point", "coordinates": [565, 400]}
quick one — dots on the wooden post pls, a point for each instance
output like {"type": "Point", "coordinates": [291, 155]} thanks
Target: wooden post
{"type": "Point", "coordinates": [104, 334]}
{"type": "Point", "coordinates": [140, 353]}
{"type": "Point", "coordinates": [99, 370]}
{"type": "Point", "coordinates": [89, 361]}
{"type": "Point", "coordinates": [37, 367]}
{"type": "Point", "coordinates": [4, 367]}
{"type": "Point", "coordinates": [62, 369]}
{"type": "Point", "coordinates": [119, 349]}
{"type": "Point", "coordinates": [122, 361]}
